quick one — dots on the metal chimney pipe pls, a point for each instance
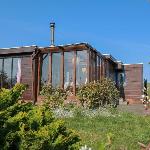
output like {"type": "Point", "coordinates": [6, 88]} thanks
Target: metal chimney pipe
{"type": "Point", "coordinates": [52, 26]}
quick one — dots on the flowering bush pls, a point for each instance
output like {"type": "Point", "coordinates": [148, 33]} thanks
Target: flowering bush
{"type": "Point", "coordinates": [100, 93]}
{"type": "Point", "coordinates": [53, 97]}
{"type": "Point", "coordinates": [85, 148]}
{"type": "Point", "coordinates": [146, 101]}
{"type": "Point", "coordinates": [145, 98]}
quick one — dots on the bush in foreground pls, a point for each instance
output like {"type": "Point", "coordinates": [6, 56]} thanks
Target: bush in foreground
{"type": "Point", "coordinates": [26, 126]}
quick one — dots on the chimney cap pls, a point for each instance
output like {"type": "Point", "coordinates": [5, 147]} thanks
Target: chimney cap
{"type": "Point", "coordinates": [52, 24]}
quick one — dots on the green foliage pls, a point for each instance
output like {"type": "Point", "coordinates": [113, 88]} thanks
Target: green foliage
{"type": "Point", "coordinates": [26, 126]}
{"type": "Point", "coordinates": [100, 93]}
{"type": "Point", "coordinates": [10, 97]}
{"type": "Point", "coordinates": [53, 97]}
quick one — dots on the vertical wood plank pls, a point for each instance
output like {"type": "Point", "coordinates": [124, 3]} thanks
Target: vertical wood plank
{"type": "Point", "coordinates": [34, 76]}
{"type": "Point", "coordinates": [39, 73]}
{"type": "Point", "coordinates": [11, 72]}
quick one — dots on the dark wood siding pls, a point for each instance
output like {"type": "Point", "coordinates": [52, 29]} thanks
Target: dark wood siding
{"type": "Point", "coordinates": [26, 76]}
{"type": "Point", "coordinates": [133, 82]}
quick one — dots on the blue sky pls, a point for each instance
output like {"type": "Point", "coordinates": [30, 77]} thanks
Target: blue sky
{"type": "Point", "coordinates": [119, 27]}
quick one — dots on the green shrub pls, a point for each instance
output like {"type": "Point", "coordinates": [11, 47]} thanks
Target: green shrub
{"type": "Point", "coordinates": [38, 129]}
{"type": "Point", "coordinates": [100, 93]}
{"type": "Point", "coordinates": [10, 97]}
{"type": "Point", "coordinates": [53, 97]}
{"type": "Point", "coordinates": [26, 126]}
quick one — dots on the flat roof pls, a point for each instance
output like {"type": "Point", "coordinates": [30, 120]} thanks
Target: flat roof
{"type": "Point", "coordinates": [30, 49]}
{"type": "Point", "coordinates": [17, 50]}
{"type": "Point", "coordinates": [109, 56]}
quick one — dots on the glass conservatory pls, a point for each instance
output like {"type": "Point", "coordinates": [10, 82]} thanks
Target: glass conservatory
{"type": "Point", "coordinates": [71, 66]}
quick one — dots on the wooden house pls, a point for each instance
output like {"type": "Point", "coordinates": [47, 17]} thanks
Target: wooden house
{"type": "Point", "coordinates": [66, 66]}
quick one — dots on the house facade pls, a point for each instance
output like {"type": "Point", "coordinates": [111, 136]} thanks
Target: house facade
{"type": "Point", "coordinates": [67, 66]}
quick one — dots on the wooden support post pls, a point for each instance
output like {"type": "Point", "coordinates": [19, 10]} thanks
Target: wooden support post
{"type": "Point", "coordinates": [11, 72]}
{"type": "Point", "coordinates": [34, 76]}
{"type": "Point", "coordinates": [39, 73]}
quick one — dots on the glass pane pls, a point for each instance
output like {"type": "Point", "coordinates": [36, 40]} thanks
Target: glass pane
{"type": "Point", "coordinates": [1, 79]}
{"type": "Point", "coordinates": [112, 72]}
{"type": "Point", "coordinates": [16, 73]}
{"type": "Point", "coordinates": [68, 69]}
{"type": "Point", "coordinates": [56, 62]}
{"type": "Point", "coordinates": [81, 67]}
{"type": "Point", "coordinates": [98, 68]}
{"type": "Point", "coordinates": [7, 73]}
{"type": "Point", "coordinates": [45, 69]}
{"type": "Point", "coordinates": [102, 69]}
{"type": "Point", "coordinates": [93, 66]}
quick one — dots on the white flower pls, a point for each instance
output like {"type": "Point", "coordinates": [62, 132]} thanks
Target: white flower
{"type": "Point", "coordinates": [85, 148]}
{"type": "Point", "coordinates": [143, 96]}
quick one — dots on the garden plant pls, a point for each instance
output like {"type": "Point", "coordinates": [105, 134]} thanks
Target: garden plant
{"type": "Point", "coordinates": [27, 126]}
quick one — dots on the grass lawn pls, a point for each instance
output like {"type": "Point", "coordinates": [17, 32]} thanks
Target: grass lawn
{"type": "Point", "coordinates": [125, 130]}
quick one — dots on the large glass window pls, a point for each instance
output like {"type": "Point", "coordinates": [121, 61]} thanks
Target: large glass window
{"type": "Point", "coordinates": [16, 72]}
{"type": "Point", "coordinates": [93, 66]}
{"type": "Point", "coordinates": [7, 73]}
{"type": "Point", "coordinates": [112, 72]}
{"type": "Point", "coordinates": [98, 68]}
{"type": "Point", "coordinates": [68, 69]}
{"type": "Point", "coordinates": [81, 67]}
{"type": "Point", "coordinates": [45, 69]}
{"type": "Point", "coordinates": [10, 72]}
{"type": "Point", "coordinates": [56, 63]}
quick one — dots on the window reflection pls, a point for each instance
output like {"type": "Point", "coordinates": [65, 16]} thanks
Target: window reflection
{"type": "Point", "coordinates": [7, 73]}
{"type": "Point", "coordinates": [112, 72]}
{"type": "Point", "coordinates": [68, 69]}
{"type": "Point", "coordinates": [45, 69]}
{"type": "Point", "coordinates": [81, 67]}
{"type": "Point", "coordinates": [56, 63]}
{"type": "Point", "coordinates": [98, 68]}
{"type": "Point", "coordinates": [16, 72]}
{"type": "Point", "coordinates": [93, 66]}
